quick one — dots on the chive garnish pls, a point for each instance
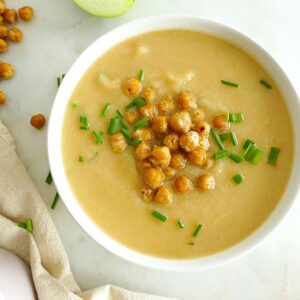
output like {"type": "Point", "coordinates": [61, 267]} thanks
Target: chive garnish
{"type": "Point", "coordinates": [159, 216]}
{"type": "Point", "coordinates": [49, 178]}
{"type": "Point", "coordinates": [141, 75]}
{"type": "Point", "coordinates": [123, 123]}
{"type": "Point", "coordinates": [221, 154]}
{"type": "Point", "coordinates": [224, 137]}
{"type": "Point", "coordinates": [133, 142]}
{"type": "Point", "coordinates": [113, 125]}
{"type": "Point", "coordinates": [126, 133]}
{"type": "Point", "coordinates": [59, 79]}
{"type": "Point", "coordinates": [235, 157]}
{"type": "Point", "coordinates": [266, 84]}
{"type": "Point", "coordinates": [181, 224]}
{"type": "Point", "coordinates": [75, 104]}
{"type": "Point", "coordinates": [27, 224]}
{"type": "Point", "coordinates": [120, 114]}
{"type": "Point", "coordinates": [190, 243]}
{"type": "Point", "coordinates": [197, 230]}
{"type": "Point", "coordinates": [98, 136]}
{"type": "Point", "coordinates": [233, 138]}
{"type": "Point", "coordinates": [55, 200]}
{"type": "Point", "coordinates": [22, 225]}
{"type": "Point", "coordinates": [230, 83]}
{"type": "Point", "coordinates": [140, 123]}
{"type": "Point", "coordinates": [138, 103]}
{"type": "Point", "coordinates": [231, 118]}
{"type": "Point", "coordinates": [247, 143]}
{"type": "Point", "coordinates": [256, 156]}
{"type": "Point", "coordinates": [273, 156]}
{"type": "Point", "coordinates": [217, 139]}
{"type": "Point", "coordinates": [250, 151]}
{"type": "Point", "coordinates": [84, 123]}
{"type": "Point", "coordinates": [80, 158]}
{"type": "Point", "coordinates": [235, 117]}
{"type": "Point", "coordinates": [105, 109]}
{"type": "Point", "coordinates": [238, 178]}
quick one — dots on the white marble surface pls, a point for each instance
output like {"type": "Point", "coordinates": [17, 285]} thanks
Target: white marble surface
{"type": "Point", "coordinates": [59, 32]}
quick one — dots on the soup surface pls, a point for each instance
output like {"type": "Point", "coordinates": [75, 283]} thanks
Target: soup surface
{"type": "Point", "coordinates": [107, 185]}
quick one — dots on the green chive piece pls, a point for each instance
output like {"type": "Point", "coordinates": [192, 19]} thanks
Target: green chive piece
{"type": "Point", "coordinates": [84, 123]}
{"type": "Point", "coordinates": [266, 84]}
{"type": "Point", "coordinates": [80, 158]}
{"type": "Point", "coordinates": [58, 81]}
{"type": "Point", "coordinates": [140, 123]}
{"type": "Point", "coordinates": [217, 139]}
{"type": "Point", "coordinates": [134, 142]}
{"type": "Point", "coordinates": [239, 117]}
{"type": "Point", "coordinates": [22, 225]}
{"type": "Point", "coordinates": [49, 178]}
{"type": "Point", "coordinates": [233, 138]}
{"type": "Point", "coordinates": [197, 230]}
{"type": "Point", "coordinates": [75, 104]}
{"type": "Point", "coordinates": [256, 156]}
{"type": "Point", "coordinates": [126, 133]}
{"type": "Point", "coordinates": [250, 152]}
{"type": "Point", "coordinates": [123, 124]}
{"type": "Point", "coordinates": [235, 157]}
{"type": "Point", "coordinates": [231, 118]}
{"type": "Point", "coordinates": [98, 136]}
{"type": "Point", "coordinates": [105, 109]}
{"type": "Point", "coordinates": [221, 154]}
{"type": "Point", "coordinates": [190, 243]}
{"type": "Point", "coordinates": [238, 178]}
{"type": "Point", "coordinates": [55, 200]}
{"type": "Point", "coordinates": [113, 125]}
{"type": "Point", "coordinates": [230, 83]}
{"type": "Point", "coordinates": [120, 114]}
{"type": "Point", "coordinates": [224, 137]}
{"type": "Point", "coordinates": [247, 143]}
{"type": "Point", "coordinates": [141, 75]}
{"type": "Point", "coordinates": [138, 103]}
{"type": "Point", "coordinates": [159, 216]}
{"type": "Point", "coordinates": [29, 226]}
{"type": "Point", "coordinates": [181, 224]}
{"type": "Point", "coordinates": [273, 156]}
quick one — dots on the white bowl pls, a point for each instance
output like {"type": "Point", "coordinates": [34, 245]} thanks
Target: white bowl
{"type": "Point", "coordinates": [87, 58]}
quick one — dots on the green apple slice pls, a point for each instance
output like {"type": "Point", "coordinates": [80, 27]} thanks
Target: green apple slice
{"type": "Point", "coordinates": [105, 8]}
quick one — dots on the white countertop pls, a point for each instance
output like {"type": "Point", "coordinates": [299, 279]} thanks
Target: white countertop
{"type": "Point", "coordinates": [53, 40]}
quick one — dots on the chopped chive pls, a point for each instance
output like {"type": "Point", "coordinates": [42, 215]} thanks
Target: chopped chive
{"type": "Point", "coordinates": [233, 138]}
{"type": "Point", "coordinates": [141, 75]}
{"type": "Point", "coordinates": [129, 106]}
{"type": "Point", "coordinates": [230, 83]}
{"type": "Point", "coordinates": [238, 178]}
{"type": "Point", "coordinates": [190, 243]}
{"type": "Point", "coordinates": [235, 157]}
{"type": "Point", "coordinates": [49, 178]}
{"type": "Point", "coordinates": [221, 154]}
{"type": "Point", "coordinates": [159, 216]}
{"type": "Point", "coordinates": [75, 104]}
{"type": "Point", "coordinates": [58, 81]}
{"type": "Point", "coordinates": [266, 84]}
{"type": "Point", "coordinates": [55, 200]}
{"type": "Point", "coordinates": [247, 143]}
{"type": "Point", "coordinates": [239, 117]}
{"type": "Point", "coordinates": [105, 109]}
{"type": "Point", "coordinates": [217, 139]}
{"type": "Point", "coordinates": [113, 125]}
{"type": "Point", "coordinates": [80, 158]}
{"type": "Point", "coordinates": [29, 226]}
{"type": "Point", "coordinates": [140, 123]}
{"type": "Point", "coordinates": [126, 133]}
{"type": "Point", "coordinates": [63, 76]}
{"type": "Point", "coordinates": [138, 103]}
{"type": "Point", "coordinates": [224, 137]}
{"type": "Point", "coordinates": [273, 156]}
{"type": "Point", "coordinates": [22, 225]}
{"type": "Point", "coordinates": [123, 124]}
{"type": "Point", "coordinates": [231, 118]}
{"type": "Point", "coordinates": [120, 114]}
{"type": "Point", "coordinates": [181, 224]}
{"type": "Point", "coordinates": [249, 152]}
{"type": "Point", "coordinates": [84, 123]}
{"type": "Point", "coordinates": [197, 230]}
{"type": "Point", "coordinates": [133, 142]}
{"type": "Point", "coordinates": [98, 136]}
{"type": "Point", "coordinates": [256, 156]}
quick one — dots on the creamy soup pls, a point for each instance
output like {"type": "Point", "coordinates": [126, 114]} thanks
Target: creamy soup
{"type": "Point", "coordinates": [107, 185]}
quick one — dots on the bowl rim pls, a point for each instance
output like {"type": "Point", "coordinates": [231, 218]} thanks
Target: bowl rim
{"type": "Point", "coordinates": [114, 37]}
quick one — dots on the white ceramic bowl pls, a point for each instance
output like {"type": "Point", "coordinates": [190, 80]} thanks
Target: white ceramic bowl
{"type": "Point", "coordinates": [87, 58]}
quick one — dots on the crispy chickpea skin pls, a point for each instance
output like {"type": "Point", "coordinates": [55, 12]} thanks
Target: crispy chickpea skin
{"type": "Point", "coordinates": [172, 141]}
{"type": "Point", "coordinates": [163, 196]}
{"type": "Point", "coordinates": [166, 105]}
{"type": "Point", "coordinates": [148, 94]}
{"type": "Point", "coordinates": [3, 46]}
{"type": "Point", "coordinates": [149, 111]}
{"type": "Point", "coordinates": [202, 127]}
{"type": "Point", "coordinates": [38, 121]}
{"type": "Point", "coordinates": [186, 101]}
{"type": "Point", "coordinates": [118, 142]}
{"type": "Point", "coordinates": [10, 16]}
{"type": "Point", "coordinates": [131, 116]}
{"type": "Point", "coordinates": [208, 164]}
{"type": "Point", "coordinates": [183, 184]}
{"type": "Point", "coordinates": [180, 122]}
{"type": "Point", "coordinates": [2, 7]}
{"type": "Point", "coordinates": [197, 115]}
{"type": "Point", "coordinates": [178, 161]}
{"type": "Point", "coordinates": [153, 177]}
{"type": "Point", "coordinates": [6, 70]}
{"type": "Point", "coordinates": [221, 122]}
{"type": "Point", "coordinates": [198, 156]}
{"type": "Point", "coordinates": [2, 98]}
{"type": "Point", "coordinates": [189, 141]}
{"type": "Point", "coordinates": [26, 13]}
{"type": "Point", "coordinates": [169, 172]}
{"type": "Point", "coordinates": [143, 151]}
{"type": "Point", "coordinates": [144, 134]}
{"type": "Point", "coordinates": [132, 87]}
{"type": "Point", "coordinates": [147, 194]}
{"type": "Point", "coordinates": [159, 124]}
{"type": "Point", "coordinates": [204, 143]}
{"type": "Point", "coordinates": [15, 35]}
{"type": "Point", "coordinates": [3, 31]}
{"type": "Point", "coordinates": [161, 156]}
{"type": "Point", "coordinates": [206, 182]}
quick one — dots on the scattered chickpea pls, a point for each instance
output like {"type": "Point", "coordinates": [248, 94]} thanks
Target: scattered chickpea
{"type": "Point", "coordinates": [189, 141]}
{"type": "Point", "coordinates": [208, 164]}
{"type": "Point", "coordinates": [148, 94]}
{"type": "Point", "coordinates": [3, 46]}
{"type": "Point", "coordinates": [131, 116]}
{"type": "Point", "coordinates": [26, 13]}
{"type": "Point", "coordinates": [178, 161]}
{"type": "Point", "coordinates": [181, 122]}
{"type": "Point", "coordinates": [186, 101]}
{"type": "Point", "coordinates": [169, 172]}
{"type": "Point", "coordinates": [197, 115]}
{"type": "Point", "coordinates": [143, 164]}
{"type": "Point", "coordinates": [6, 70]}
{"type": "Point", "coordinates": [163, 196]}
{"type": "Point", "coordinates": [206, 182]}
{"type": "Point", "coordinates": [172, 141]}
{"type": "Point", "coordinates": [221, 122]}
{"type": "Point", "coordinates": [118, 142]}
{"type": "Point", "coordinates": [15, 35]}
{"type": "Point", "coordinates": [132, 87]}
{"type": "Point", "coordinates": [149, 111]}
{"type": "Point", "coordinates": [142, 151]}
{"type": "Point", "coordinates": [161, 156]}
{"type": "Point", "coordinates": [147, 194]}
{"type": "Point", "coordinates": [198, 156]}
{"type": "Point", "coordinates": [10, 16]}
{"type": "Point", "coordinates": [202, 127]}
{"type": "Point", "coordinates": [183, 184]}
{"type": "Point", "coordinates": [2, 98]}
{"type": "Point", "coordinates": [159, 124]}
{"type": "Point", "coordinates": [3, 31]}
{"type": "Point", "coordinates": [154, 177]}
{"type": "Point", "coordinates": [38, 121]}
{"type": "Point", "coordinates": [204, 143]}
{"type": "Point", "coordinates": [2, 7]}
{"type": "Point", "coordinates": [166, 105]}
{"type": "Point", "coordinates": [144, 134]}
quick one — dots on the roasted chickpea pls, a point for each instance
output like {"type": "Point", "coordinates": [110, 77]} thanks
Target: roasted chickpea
{"type": "Point", "coordinates": [161, 156]}
{"type": "Point", "coordinates": [163, 196]}
{"type": "Point", "coordinates": [181, 122]}
{"type": "Point", "coordinates": [183, 184]}
{"type": "Point", "coordinates": [206, 182]}
{"type": "Point", "coordinates": [154, 177]}
{"type": "Point", "coordinates": [198, 156]}
{"type": "Point", "coordinates": [6, 70]}
{"type": "Point", "coordinates": [147, 194]}
{"type": "Point", "coordinates": [2, 98]}
{"type": "Point", "coordinates": [148, 111]}
{"type": "Point", "coordinates": [169, 172]}
{"type": "Point", "coordinates": [189, 141]}
{"type": "Point", "coordinates": [142, 151]}
{"type": "Point", "coordinates": [15, 35]}
{"type": "Point", "coordinates": [144, 134]}
{"type": "Point", "coordinates": [208, 164]}
{"type": "Point", "coordinates": [178, 161]}
{"type": "Point", "coordinates": [166, 105]}
{"type": "Point", "coordinates": [3, 31]}
{"type": "Point", "coordinates": [132, 87]}
{"type": "Point", "coordinates": [148, 94]}
{"type": "Point", "coordinates": [204, 143]}
{"type": "Point", "coordinates": [197, 115]}
{"type": "Point", "coordinates": [202, 127]}
{"type": "Point", "coordinates": [221, 122]}
{"type": "Point", "coordinates": [172, 141]}
{"type": "Point", "coordinates": [3, 46]}
{"type": "Point", "coordinates": [159, 124]}
{"type": "Point", "coordinates": [143, 164]}
{"type": "Point", "coordinates": [131, 116]}
{"type": "Point", "coordinates": [26, 13]}
{"type": "Point", "coordinates": [10, 16]}
{"type": "Point", "coordinates": [118, 142]}
{"type": "Point", "coordinates": [38, 121]}
{"type": "Point", "coordinates": [2, 7]}
{"type": "Point", "coordinates": [186, 101]}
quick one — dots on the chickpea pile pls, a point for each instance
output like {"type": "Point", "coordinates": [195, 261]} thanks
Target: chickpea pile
{"type": "Point", "coordinates": [177, 134]}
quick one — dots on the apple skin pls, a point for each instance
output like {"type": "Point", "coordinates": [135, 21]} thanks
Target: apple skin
{"type": "Point", "coordinates": [105, 8]}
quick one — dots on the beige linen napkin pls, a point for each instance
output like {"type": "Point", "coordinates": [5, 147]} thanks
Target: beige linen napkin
{"type": "Point", "coordinates": [42, 250]}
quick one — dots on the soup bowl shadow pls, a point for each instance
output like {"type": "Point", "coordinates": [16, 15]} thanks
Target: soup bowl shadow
{"type": "Point", "coordinates": [87, 58]}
